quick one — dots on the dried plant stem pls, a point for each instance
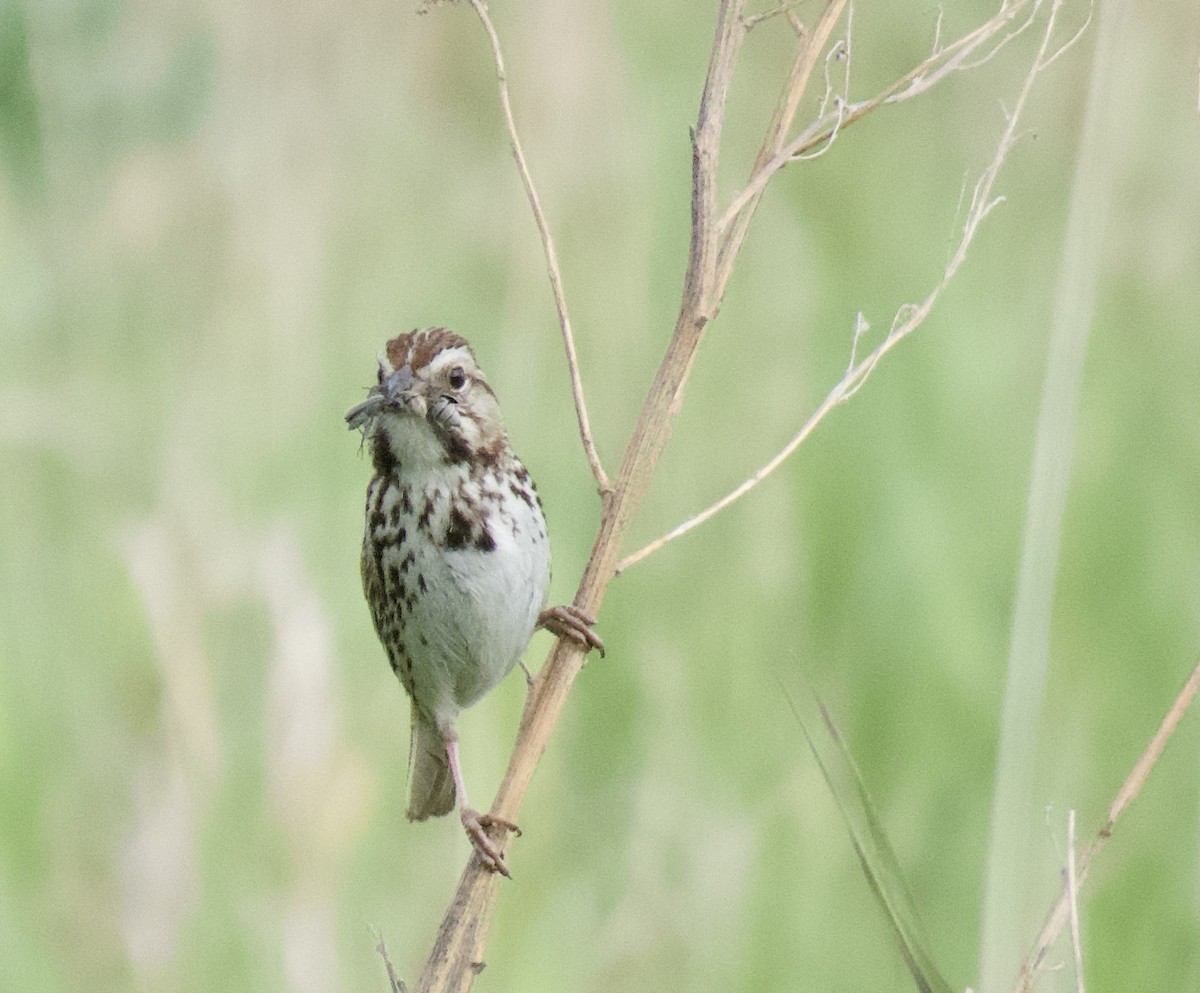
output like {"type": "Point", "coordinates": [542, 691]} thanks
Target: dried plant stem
{"type": "Point", "coordinates": [1061, 912]}
{"type": "Point", "coordinates": [812, 43]}
{"type": "Point", "coordinates": [457, 955]}
{"type": "Point", "coordinates": [394, 981]}
{"type": "Point", "coordinates": [1073, 902]}
{"type": "Point", "coordinates": [560, 299]}
{"type": "Point", "coordinates": [907, 319]}
{"type": "Point", "coordinates": [920, 79]}
{"type": "Point", "coordinates": [458, 952]}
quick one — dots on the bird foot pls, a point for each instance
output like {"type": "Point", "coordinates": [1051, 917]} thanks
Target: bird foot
{"type": "Point", "coordinates": [568, 621]}
{"type": "Point", "coordinates": [476, 825]}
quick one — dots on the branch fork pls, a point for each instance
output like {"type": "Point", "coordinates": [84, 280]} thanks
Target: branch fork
{"type": "Point", "coordinates": [716, 238]}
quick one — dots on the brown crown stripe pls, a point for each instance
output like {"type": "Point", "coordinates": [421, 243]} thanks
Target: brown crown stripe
{"type": "Point", "coordinates": [418, 347]}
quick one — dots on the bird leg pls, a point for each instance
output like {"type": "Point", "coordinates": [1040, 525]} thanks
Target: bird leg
{"type": "Point", "coordinates": [473, 822]}
{"type": "Point", "coordinates": [568, 621]}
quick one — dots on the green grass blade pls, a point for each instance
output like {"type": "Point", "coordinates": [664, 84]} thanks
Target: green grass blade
{"type": "Point", "coordinates": [875, 854]}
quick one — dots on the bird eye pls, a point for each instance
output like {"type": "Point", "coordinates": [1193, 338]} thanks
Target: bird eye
{"type": "Point", "coordinates": [458, 378]}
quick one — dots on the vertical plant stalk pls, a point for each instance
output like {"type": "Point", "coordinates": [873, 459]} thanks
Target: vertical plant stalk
{"type": "Point", "coordinates": [811, 47]}
{"type": "Point", "coordinates": [911, 316]}
{"type": "Point", "coordinates": [1009, 871]}
{"type": "Point", "coordinates": [552, 267]}
{"type": "Point", "coordinates": [457, 955]}
{"type": "Point", "coordinates": [1073, 903]}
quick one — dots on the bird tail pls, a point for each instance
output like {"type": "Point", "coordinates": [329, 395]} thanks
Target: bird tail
{"type": "Point", "coordinates": [430, 785]}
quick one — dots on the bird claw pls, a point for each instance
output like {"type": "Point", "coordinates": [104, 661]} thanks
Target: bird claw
{"type": "Point", "coordinates": [568, 621]}
{"type": "Point", "coordinates": [476, 825]}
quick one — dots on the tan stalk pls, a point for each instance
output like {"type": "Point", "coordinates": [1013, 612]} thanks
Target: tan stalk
{"type": "Point", "coordinates": [458, 953]}
{"type": "Point", "coordinates": [1060, 914]}
{"type": "Point", "coordinates": [909, 317]}
{"type": "Point", "coordinates": [812, 44]}
{"type": "Point", "coordinates": [555, 274]}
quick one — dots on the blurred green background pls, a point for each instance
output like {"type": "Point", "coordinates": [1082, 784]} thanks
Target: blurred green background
{"type": "Point", "coordinates": [211, 218]}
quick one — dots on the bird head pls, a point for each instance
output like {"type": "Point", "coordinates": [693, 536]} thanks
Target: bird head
{"type": "Point", "coordinates": [431, 403]}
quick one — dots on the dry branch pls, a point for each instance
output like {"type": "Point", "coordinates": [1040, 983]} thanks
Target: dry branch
{"type": "Point", "coordinates": [811, 44]}
{"type": "Point", "coordinates": [1073, 902]}
{"type": "Point", "coordinates": [555, 274]}
{"type": "Point", "coordinates": [457, 956]}
{"type": "Point", "coordinates": [1061, 912]}
{"type": "Point", "coordinates": [716, 237]}
{"type": "Point", "coordinates": [909, 317]}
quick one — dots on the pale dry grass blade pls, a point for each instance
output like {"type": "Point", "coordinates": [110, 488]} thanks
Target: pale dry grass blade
{"type": "Point", "coordinates": [316, 789]}
{"type": "Point", "coordinates": [1010, 868]}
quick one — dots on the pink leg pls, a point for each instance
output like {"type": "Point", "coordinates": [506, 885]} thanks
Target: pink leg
{"type": "Point", "coordinates": [474, 823]}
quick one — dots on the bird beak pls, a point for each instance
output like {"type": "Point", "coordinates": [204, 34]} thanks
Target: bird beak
{"type": "Point", "coordinates": [397, 383]}
{"type": "Point", "coordinates": [389, 393]}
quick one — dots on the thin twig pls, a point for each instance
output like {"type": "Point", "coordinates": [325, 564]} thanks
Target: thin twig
{"type": "Point", "coordinates": [811, 43]}
{"type": "Point", "coordinates": [831, 401]}
{"type": "Point", "coordinates": [919, 79]}
{"type": "Point", "coordinates": [1129, 791]}
{"type": "Point", "coordinates": [908, 318]}
{"type": "Point", "coordinates": [755, 19]}
{"type": "Point", "coordinates": [458, 951]}
{"type": "Point", "coordinates": [841, 51]}
{"type": "Point", "coordinates": [1073, 902]}
{"type": "Point", "coordinates": [1070, 42]}
{"type": "Point", "coordinates": [395, 981]}
{"type": "Point", "coordinates": [560, 300]}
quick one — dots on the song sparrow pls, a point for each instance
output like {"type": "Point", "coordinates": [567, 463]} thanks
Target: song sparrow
{"type": "Point", "coordinates": [455, 557]}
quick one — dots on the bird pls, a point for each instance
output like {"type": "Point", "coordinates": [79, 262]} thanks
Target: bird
{"type": "Point", "coordinates": [455, 556]}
